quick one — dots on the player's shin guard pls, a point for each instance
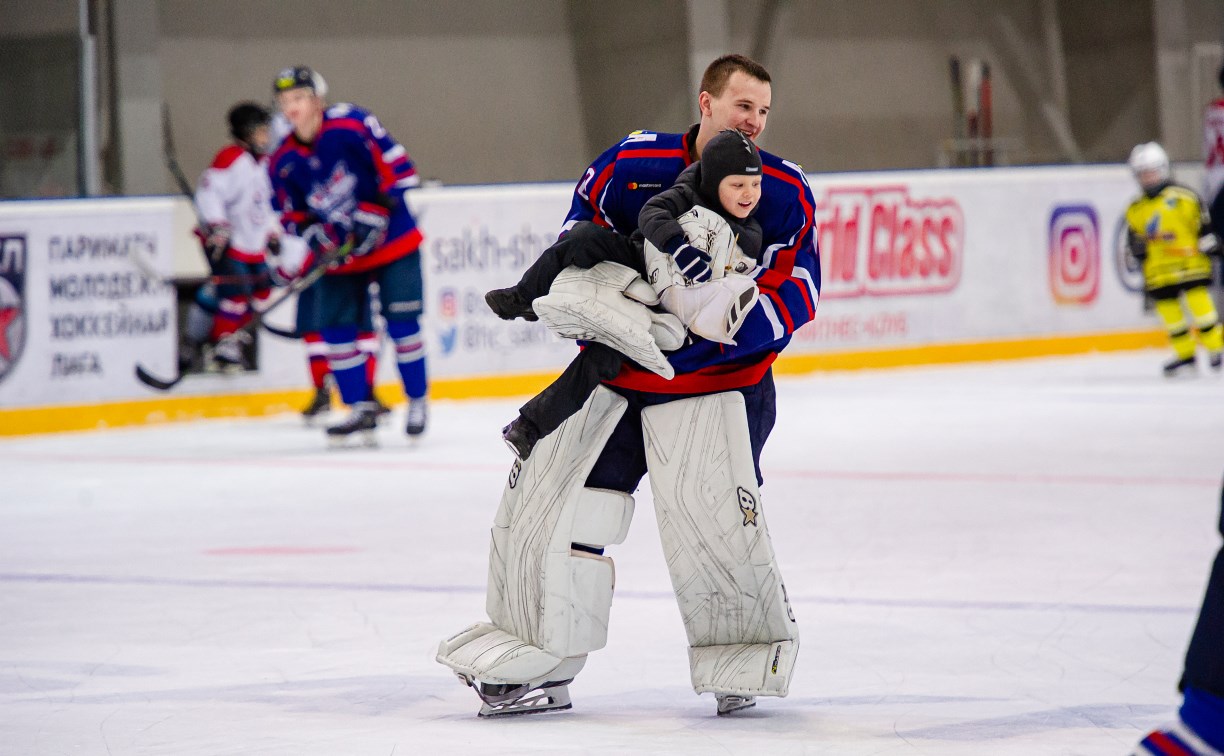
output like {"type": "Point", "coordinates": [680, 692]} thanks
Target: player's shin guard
{"type": "Point", "coordinates": [550, 587]}
{"type": "Point", "coordinates": [742, 635]}
{"type": "Point", "coordinates": [347, 363]}
{"type": "Point", "coordinates": [1206, 319]}
{"type": "Point", "coordinates": [409, 355]}
{"type": "Point", "coordinates": [1175, 324]}
{"type": "Point", "coordinates": [316, 355]}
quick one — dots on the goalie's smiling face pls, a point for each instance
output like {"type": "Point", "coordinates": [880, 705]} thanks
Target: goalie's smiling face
{"type": "Point", "coordinates": [743, 105]}
{"type": "Point", "coordinates": [739, 194]}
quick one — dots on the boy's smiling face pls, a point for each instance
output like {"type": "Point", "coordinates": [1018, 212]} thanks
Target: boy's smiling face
{"type": "Point", "coordinates": [739, 194]}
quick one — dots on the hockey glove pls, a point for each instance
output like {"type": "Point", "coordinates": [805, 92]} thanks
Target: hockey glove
{"type": "Point", "coordinates": [693, 263]}
{"type": "Point", "coordinates": [276, 266]}
{"type": "Point", "coordinates": [321, 239]}
{"type": "Point", "coordinates": [216, 239]}
{"type": "Point", "coordinates": [369, 227]}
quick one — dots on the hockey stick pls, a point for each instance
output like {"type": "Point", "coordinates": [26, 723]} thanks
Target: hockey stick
{"type": "Point", "coordinates": [298, 285]}
{"type": "Point", "coordinates": [172, 163]}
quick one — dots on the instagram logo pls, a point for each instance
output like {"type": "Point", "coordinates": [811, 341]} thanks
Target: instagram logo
{"type": "Point", "coordinates": [1075, 254]}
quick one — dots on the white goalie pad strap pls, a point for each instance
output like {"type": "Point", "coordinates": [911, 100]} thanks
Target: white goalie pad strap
{"type": "Point", "coordinates": [712, 524]}
{"type": "Point", "coordinates": [590, 305]}
{"type": "Point", "coordinates": [757, 669]}
{"type": "Point", "coordinates": [604, 517]}
{"type": "Point", "coordinates": [540, 590]}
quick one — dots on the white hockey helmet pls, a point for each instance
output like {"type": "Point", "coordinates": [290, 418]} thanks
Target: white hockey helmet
{"type": "Point", "coordinates": [297, 77]}
{"type": "Point", "coordinates": [1150, 164]}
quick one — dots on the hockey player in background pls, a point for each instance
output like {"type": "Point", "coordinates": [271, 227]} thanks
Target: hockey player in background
{"type": "Point", "coordinates": [237, 228]}
{"type": "Point", "coordinates": [1213, 157]}
{"type": "Point", "coordinates": [1169, 232]}
{"type": "Point", "coordinates": [727, 181]}
{"type": "Point", "coordinates": [339, 181]}
{"type": "Point", "coordinates": [699, 435]}
{"type": "Point", "coordinates": [1199, 730]}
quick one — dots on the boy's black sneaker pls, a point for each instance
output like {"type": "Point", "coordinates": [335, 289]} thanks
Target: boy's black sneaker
{"type": "Point", "coordinates": [508, 304]}
{"type": "Point", "coordinates": [521, 436]}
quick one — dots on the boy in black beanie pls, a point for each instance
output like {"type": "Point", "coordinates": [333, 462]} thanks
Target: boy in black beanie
{"type": "Point", "coordinates": [727, 181]}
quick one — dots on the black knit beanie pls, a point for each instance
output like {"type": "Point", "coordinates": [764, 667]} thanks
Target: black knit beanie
{"type": "Point", "coordinates": [729, 153]}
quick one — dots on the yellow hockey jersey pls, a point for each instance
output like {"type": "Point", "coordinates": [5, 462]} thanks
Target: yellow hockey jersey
{"type": "Point", "coordinates": [1170, 224]}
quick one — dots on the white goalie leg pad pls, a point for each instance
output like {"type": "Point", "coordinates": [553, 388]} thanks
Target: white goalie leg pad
{"type": "Point", "coordinates": [716, 309]}
{"type": "Point", "coordinates": [591, 305]}
{"type": "Point", "coordinates": [742, 634]}
{"type": "Point", "coordinates": [549, 602]}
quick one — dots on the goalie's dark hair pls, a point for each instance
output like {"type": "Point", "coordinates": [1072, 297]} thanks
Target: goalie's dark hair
{"type": "Point", "coordinates": [714, 80]}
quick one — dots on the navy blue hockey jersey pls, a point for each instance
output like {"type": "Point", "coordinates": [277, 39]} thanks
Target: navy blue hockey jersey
{"type": "Point", "coordinates": [612, 192]}
{"type": "Point", "coordinates": [353, 162]}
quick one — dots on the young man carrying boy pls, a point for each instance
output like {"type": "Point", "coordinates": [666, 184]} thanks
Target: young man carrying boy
{"type": "Point", "coordinates": [727, 180]}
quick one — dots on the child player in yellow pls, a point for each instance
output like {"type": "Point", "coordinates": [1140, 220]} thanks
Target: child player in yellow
{"type": "Point", "coordinates": [1169, 231]}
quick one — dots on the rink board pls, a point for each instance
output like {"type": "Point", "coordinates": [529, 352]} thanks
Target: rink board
{"type": "Point", "coordinates": [917, 268]}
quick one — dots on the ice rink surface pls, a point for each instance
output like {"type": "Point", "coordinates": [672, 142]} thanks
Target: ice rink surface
{"type": "Point", "coordinates": [990, 559]}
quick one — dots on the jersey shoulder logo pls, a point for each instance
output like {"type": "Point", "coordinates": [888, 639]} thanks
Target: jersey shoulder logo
{"type": "Point", "coordinates": [640, 136]}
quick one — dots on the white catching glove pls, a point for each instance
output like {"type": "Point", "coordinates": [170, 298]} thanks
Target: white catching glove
{"type": "Point", "coordinates": [714, 310]}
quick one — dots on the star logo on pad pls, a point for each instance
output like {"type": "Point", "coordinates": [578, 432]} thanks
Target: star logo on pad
{"type": "Point", "coordinates": [748, 506]}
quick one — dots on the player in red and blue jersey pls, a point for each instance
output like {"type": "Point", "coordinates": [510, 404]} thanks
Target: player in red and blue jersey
{"type": "Point", "coordinates": [339, 180]}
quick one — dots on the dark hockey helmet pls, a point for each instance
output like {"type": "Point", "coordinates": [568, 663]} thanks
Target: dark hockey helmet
{"type": "Point", "coordinates": [298, 77]}
{"type": "Point", "coordinates": [728, 153]}
{"type": "Point", "coordinates": [245, 117]}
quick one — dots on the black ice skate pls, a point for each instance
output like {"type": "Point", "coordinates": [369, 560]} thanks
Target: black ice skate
{"type": "Point", "coordinates": [380, 410]}
{"type": "Point", "coordinates": [362, 422]}
{"type": "Point", "coordinates": [1178, 366]}
{"type": "Point", "coordinates": [507, 700]}
{"type": "Point", "coordinates": [1215, 360]}
{"type": "Point", "coordinates": [521, 436]}
{"type": "Point", "coordinates": [418, 417]}
{"type": "Point", "coordinates": [319, 404]}
{"type": "Point", "coordinates": [729, 702]}
{"type": "Point", "coordinates": [508, 304]}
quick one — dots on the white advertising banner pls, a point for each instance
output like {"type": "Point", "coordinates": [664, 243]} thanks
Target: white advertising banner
{"type": "Point", "coordinates": [940, 257]}
{"type": "Point", "coordinates": [907, 258]}
{"type": "Point", "coordinates": [82, 299]}
{"type": "Point", "coordinates": [477, 239]}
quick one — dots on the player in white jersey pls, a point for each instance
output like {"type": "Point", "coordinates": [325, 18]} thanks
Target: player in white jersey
{"type": "Point", "coordinates": [238, 227]}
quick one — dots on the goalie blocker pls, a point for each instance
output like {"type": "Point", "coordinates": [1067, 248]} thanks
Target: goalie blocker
{"type": "Point", "coordinates": [550, 586]}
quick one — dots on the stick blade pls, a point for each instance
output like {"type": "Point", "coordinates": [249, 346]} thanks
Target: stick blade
{"type": "Point", "coordinates": [152, 381]}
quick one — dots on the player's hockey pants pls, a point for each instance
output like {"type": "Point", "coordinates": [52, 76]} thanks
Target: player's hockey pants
{"type": "Point", "coordinates": [622, 463]}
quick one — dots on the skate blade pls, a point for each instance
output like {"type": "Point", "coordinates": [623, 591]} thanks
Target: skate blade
{"type": "Point", "coordinates": [364, 440]}
{"type": "Point", "coordinates": [735, 703]}
{"type": "Point", "coordinates": [537, 702]}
